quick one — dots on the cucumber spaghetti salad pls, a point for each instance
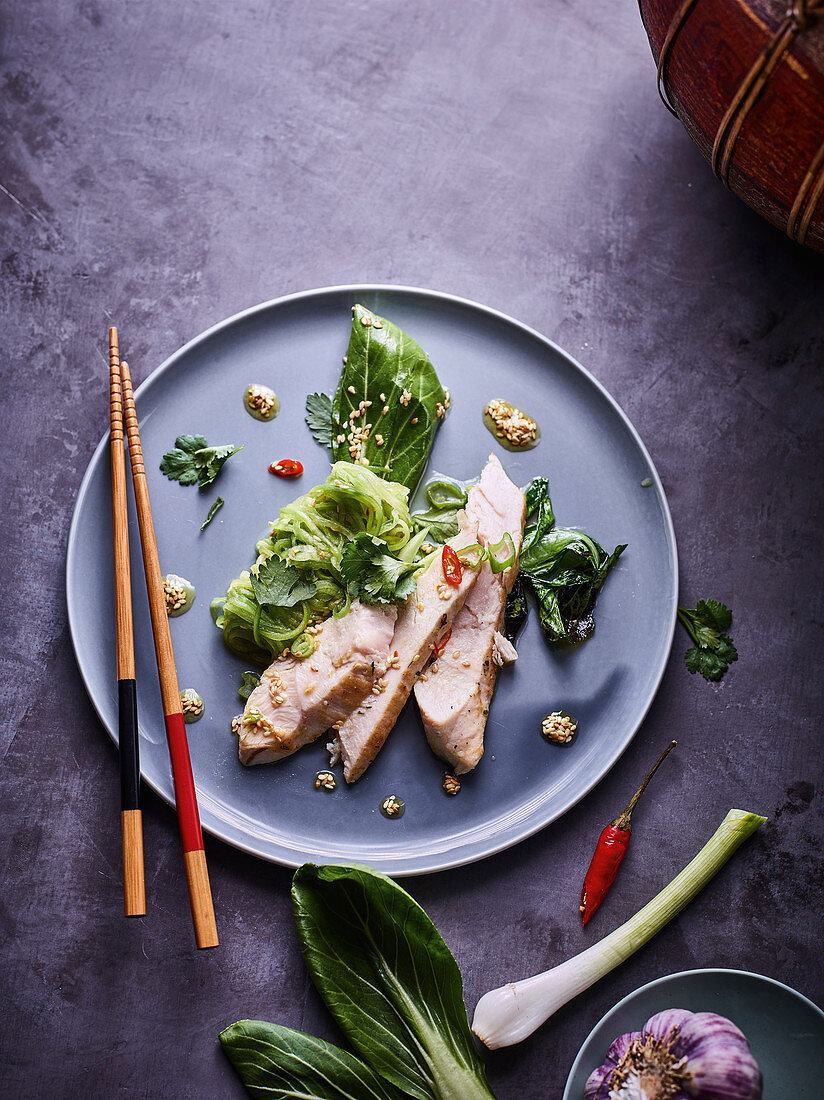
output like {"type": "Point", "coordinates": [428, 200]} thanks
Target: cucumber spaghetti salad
{"type": "Point", "coordinates": [308, 567]}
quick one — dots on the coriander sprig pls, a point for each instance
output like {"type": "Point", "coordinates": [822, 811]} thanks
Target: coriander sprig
{"type": "Point", "coordinates": [193, 461]}
{"type": "Point", "coordinates": [713, 651]}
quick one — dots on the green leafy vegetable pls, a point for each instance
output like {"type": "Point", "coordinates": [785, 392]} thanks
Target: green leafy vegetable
{"type": "Point", "coordinates": [564, 568]}
{"type": "Point", "coordinates": [389, 980]}
{"type": "Point", "coordinates": [713, 651]}
{"type": "Point", "coordinates": [319, 417]}
{"type": "Point", "coordinates": [277, 583]}
{"type": "Point", "coordinates": [213, 511]}
{"type": "Point", "coordinates": [274, 1061]}
{"type": "Point", "coordinates": [445, 499]}
{"type": "Point", "coordinates": [192, 460]}
{"type": "Point", "coordinates": [389, 402]}
{"type": "Point", "coordinates": [394, 989]}
{"type": "Point", "coordinates": [516, 610]}
{"type": "Point", "coordinates": [373, 575]}
{"type": "Point", "coordinates": [298, 577]}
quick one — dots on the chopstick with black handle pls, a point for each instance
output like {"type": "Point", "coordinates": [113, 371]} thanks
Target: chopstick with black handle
{"type": "Point", "coordinates": [131, 821]}
{"type": "Point", "coordinates": [194, 856]}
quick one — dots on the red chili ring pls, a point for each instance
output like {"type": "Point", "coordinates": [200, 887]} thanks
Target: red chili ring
{"type": "Point", "coordinates": [451, 563]}
{"type": "Point", "coordinates": [286, 467]}
{"type": "Point", "coordinates": [441, 645]}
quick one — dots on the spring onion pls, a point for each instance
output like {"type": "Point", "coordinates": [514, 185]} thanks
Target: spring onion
{"type": "Point", "coordinates": [502, 554]}
{"type": "Point", "coordinates": [441, 493]}
{"type": "Point", "coordinates": [472, 556]}
{"type": "Point", "coordinates": [505, 1016]}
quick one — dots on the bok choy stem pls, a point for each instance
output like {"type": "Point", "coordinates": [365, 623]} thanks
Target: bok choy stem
{"type": "Point", "coordinates": [505, 1016]}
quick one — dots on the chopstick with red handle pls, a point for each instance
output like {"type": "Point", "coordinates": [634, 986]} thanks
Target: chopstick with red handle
{"type": "Point", "coordinates": [194, 856]}
{"type": "Point", "coordinates": [131, 821]}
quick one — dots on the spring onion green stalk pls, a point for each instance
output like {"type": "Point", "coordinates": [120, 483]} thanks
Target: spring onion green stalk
{"type": "Point", "coordinates": [502, 554]}
{"type": "Point", "coordinates": [506, 1015]}
{"type": "Point", "coordinates": [472, 556]}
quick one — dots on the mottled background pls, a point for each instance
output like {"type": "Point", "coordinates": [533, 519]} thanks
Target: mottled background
{"type": "Point", "coordinates": [166, 165]}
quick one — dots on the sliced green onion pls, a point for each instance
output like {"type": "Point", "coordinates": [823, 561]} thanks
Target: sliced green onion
{"type": "Point", "coordinates": [250, 681]}
{"type": "Point", "coordinates": [506, 1015]}
{"type": "Point", "coordinates": [472, 556]}
{"type": "Point", "coordinates": [446, 494]}
{"type": "Point", "coordinates": [502, 554]}
{"type": "Point", "coordinates": [304, 646]}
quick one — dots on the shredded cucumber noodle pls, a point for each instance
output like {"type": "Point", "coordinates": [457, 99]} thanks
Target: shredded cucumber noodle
{"type": "Point", "coordinates": [311, 534]}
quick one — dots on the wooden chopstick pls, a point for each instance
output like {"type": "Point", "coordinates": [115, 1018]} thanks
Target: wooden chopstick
{"type": "Point", "coordinates": [194, 856]}
{"type": "Point", "coordinates": [131, 820]}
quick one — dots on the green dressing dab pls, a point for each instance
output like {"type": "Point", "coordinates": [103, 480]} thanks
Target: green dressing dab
{"type": "Point", "coordinates": [393, 806]}
{"type": "Point", "coordinates": [514, 429]}
{"type": "Point", "coordinates": [178, 593]}
{"type": "Point", "coordinates": [192, 705]}
{"type": "Point", "coordinates": [261, 402]}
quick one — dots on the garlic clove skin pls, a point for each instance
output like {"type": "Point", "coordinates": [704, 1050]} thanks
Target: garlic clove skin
{"type": "Point", "coordinates": [679, 1055]}
{"type": "Point", "coordinates": [661, 1024]}
{"type": "Point", "coordinates": [620, 1045]}
{"type": "Point", "coordinates": [719, 1059]}
{"type": "Point", "coordinates": [597, 1086]}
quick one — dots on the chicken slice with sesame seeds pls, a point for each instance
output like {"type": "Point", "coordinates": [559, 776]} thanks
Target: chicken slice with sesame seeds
{"type": "Point", "coordinates": [422, 619]}
{"type": "Point", "coordinates": [298, 700]}
{"type": "Point", "coordinates": [454, 699]}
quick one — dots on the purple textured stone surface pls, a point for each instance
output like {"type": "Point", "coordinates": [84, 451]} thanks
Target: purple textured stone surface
{"type": "Point", "coordinates": [167, 165]}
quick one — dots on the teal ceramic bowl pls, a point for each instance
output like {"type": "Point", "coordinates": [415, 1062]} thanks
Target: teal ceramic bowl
{"type": "Point", "coordinates": [785, 1030]}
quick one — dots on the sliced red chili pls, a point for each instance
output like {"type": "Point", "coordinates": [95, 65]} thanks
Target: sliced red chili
{"type": "Point", "coordinates": [441, 645]}
{"type": "Point", "coordinates": [452, 570]}
{"type": "Point", "coordinates": [287, 467]}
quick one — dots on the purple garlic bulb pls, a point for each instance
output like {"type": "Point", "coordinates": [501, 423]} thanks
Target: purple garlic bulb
{"type": "Point", "coordinates": [678, 1055]}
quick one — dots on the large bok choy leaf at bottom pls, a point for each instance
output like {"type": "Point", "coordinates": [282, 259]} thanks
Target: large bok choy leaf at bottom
{"type": "Point", "coordinates": [564, 567]}
{"type": "Point", "coordinates": [394, 989]}
{"type": "Point", "coordinates": [275, 1061]}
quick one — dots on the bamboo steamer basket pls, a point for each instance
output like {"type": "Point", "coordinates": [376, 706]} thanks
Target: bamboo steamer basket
{"type": "Point", "coordinates": [746, 78]}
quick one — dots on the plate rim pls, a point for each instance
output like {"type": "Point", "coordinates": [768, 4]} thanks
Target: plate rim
{"type": "Point", "coordinates": [415, 864]}
{"type": "Point", "coordinates": [666, 979]}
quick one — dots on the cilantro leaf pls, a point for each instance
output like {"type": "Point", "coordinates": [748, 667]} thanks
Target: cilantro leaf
{"type": "Point", "coordinates": [713, 651]}
{"type": "Point", "coordinates": [218, 504]}
{"type": "Point", "coordinates": [706, 636]}
{"type": "Point", "coordinates": [713, 614]}
{"type": "Point", "coordinates": [319, 418]}
{"type": "Point", "coordinates": [192, 460]}
{"type": "Point", "coordinates": [726, 650]}
{"type": "Point", "coordinates": [373, 575]}
{"type": "Point", "coordinates": [278, 584]}
{"type": "Point", "coordinates": [210, 462]}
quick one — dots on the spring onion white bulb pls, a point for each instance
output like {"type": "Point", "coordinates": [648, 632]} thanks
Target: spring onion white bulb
{"type": "Point", "coordinates": [505, 1016]}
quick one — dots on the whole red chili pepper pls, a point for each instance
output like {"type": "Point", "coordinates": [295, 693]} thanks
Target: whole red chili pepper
{"type": "Point", "coordinates": [610, 850]}
{"type": "Point", "coordinates": [451, 563]}
{"type": "Point", "coordinates": [287, 467]}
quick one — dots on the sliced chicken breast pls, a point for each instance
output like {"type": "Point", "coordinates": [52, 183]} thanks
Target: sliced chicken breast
{"type": "Point", "coordinates": [454, 697]}
{"type": "Point", "coordinates": [422, 619]}
{"type": "Point", "coordinates": [297, 700]}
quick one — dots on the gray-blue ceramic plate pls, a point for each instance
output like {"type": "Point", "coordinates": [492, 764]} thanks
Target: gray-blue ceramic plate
{"type": "Point", "coordinates": [595, 462]}
{"type": "Point", "coordinates": [785, 1030]}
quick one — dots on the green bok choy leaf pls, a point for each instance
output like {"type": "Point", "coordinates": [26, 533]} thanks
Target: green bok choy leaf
{"type": "Point", "coordinates": [388, 405]}
{"type": "Point", "coordinates": [394, 989]}
{"type": "Point", "coordinates": [564, 567]}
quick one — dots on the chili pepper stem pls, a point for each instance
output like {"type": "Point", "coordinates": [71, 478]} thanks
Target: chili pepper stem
{"type": "Point", "coordinates": [622, 821]}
